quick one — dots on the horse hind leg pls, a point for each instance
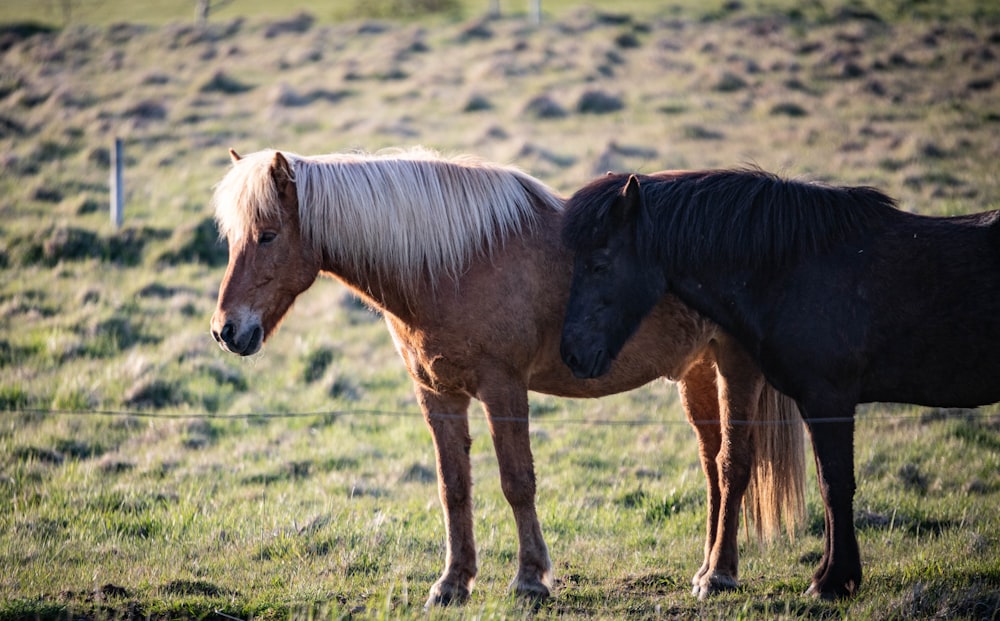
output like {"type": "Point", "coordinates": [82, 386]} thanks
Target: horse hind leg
{"type": "Point", "coordinates": [446, 417]}
{"type": "Point", "coordinates": [739, 383]}
{"type": "Point", "coordinates": [699, 397]}
{"type": "Point", "coordinates": [839, 571]}
{"type": "Point", "coordinates": [507, 413]}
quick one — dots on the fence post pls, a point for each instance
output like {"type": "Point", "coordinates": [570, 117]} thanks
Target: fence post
{"type": "Point", "coordinates": [117, 191]}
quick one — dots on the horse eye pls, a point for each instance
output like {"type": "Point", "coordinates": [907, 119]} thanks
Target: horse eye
{"type": "Point", "coordinates": [266, 237]}
{"type": "Point", "coordinates": [598, 265]}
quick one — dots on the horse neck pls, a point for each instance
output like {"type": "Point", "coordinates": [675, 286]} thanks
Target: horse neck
{"type": "Point", "coordinates": [538, 249]}
{"type": "Point", "coordinates": [374, 290]}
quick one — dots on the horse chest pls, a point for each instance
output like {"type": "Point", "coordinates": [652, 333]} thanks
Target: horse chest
{"type": "Point", "coordinates": [433, 367]}
{"type": "Point", "coordinates": [443, 374]}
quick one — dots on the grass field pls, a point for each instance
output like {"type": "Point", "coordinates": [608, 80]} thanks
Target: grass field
{"type": "Point", "coordinates": [144, 473]}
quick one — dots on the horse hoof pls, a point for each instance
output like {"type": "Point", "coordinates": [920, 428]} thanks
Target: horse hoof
{"type": "Point", "coordinates": [815, 592]}
{"type": "Point", "coordinates": [698, 577]}
{"type": "Point", "coordinates": [534, 591]}
{"type": "Point", "coordinates": [443, 594]}
{"type": "Point", "coordinates": [820, 592]}
{"type": "Point", "coordinates": [714, 584]}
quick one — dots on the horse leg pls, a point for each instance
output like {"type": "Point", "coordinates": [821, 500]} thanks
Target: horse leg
{"type": "Point", "coordinates": [740, 384]}
{"type": "Point", "coordinates": [447, 418]}
{"type": "Point", "coordinates": [700, 399]}
{"type": "Point", "coordinates": [839, 571]}
{"type": "Point", "coordinates": [507, 413]}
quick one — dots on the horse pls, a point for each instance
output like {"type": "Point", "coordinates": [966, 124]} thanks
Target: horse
{"type": "Point", "coordinates": [462, 258]}
{"type": "Point", "coordinates": [838, 295]}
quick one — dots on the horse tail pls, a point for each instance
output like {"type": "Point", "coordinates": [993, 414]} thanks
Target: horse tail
{"type": "Point", "coordinates": [776, 492]}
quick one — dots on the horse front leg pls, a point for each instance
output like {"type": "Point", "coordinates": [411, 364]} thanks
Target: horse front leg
{"type": "Point", "coordinates": [839, 571]}
{"type": "Point", "coordinates": [700, 399]}
{"type": "Point", "coordinates": [447, 418]}
{"type": "Point", "coordinates": [507, 412]}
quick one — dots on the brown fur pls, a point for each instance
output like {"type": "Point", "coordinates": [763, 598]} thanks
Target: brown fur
{"type": "Point", "coordinates": [492, 334]}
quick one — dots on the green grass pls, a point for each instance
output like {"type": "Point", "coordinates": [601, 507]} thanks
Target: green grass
{"type": "Point", "coordinates": [145, 473]}
{"type": "Point", "coordinates": [308, 516]}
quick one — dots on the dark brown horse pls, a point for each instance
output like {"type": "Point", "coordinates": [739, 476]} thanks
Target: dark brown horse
{"type": "Point", "coordinates": [463, 260]}
{"type": "Point", "coordinates": [837, 295]}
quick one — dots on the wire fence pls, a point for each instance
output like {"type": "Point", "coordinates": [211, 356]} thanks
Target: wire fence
{"type": "Point", "coordinates": [868, 414]}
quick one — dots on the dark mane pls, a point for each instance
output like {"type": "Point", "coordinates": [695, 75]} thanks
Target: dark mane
{"type": "Point", "coordinates": [735, 217]}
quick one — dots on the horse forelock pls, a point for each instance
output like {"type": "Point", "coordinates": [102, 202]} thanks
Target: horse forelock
{"type": "Point", "coordinates": [412, 215]}
{"type": "Point", "coordinates": [246, 196]}
{"type": "Point", "coordinates": [588, 222]}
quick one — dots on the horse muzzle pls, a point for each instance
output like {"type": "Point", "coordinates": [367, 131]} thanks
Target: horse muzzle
{"type": "Point", "coordinates": [585, 365]}
{"type": "Point", "coordinates": [241, 340]}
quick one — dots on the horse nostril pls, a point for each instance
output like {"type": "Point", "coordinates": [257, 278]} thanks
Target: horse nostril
{"type": "Point", "coordinates": [569, 359]}
{"type": "Point", "coordinates": [227, 332]}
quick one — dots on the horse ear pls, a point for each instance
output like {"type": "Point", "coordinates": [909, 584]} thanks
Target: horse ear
{"type": "Point", "coordinates": [283, 177]}
{"type": "Point", "coordinates": [281, 170]}
{"type": "Point", "coordinates": [630, 200]}
{"type": "Point", "coordinates": [234, 155]}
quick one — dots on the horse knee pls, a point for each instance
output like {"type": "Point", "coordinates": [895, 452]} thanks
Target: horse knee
{"type": "Point", "coordinates": [517, 478]}
{"type": "Point", "coordinates": [518, 489]}
{"type": "Point", "coordinates": [733, 470]}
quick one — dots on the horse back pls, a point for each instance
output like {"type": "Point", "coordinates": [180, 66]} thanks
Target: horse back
{"type": "Point", "coordinates": [908, 312]}
{"type": "Point", "coordinates": [934, 301]}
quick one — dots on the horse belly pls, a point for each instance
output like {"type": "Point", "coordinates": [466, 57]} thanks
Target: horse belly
{"type": "Point", "coordinates": [943, 377]}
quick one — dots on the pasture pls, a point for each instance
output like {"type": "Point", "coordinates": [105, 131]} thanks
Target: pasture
{"type": "Point", "coordinates": [145, 473]}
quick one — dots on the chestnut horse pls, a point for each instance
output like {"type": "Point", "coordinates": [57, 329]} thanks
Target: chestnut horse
{"type": "Point", "coordinates": [840, 298]}
{"type": "Point", "coordinates": [463, 260]}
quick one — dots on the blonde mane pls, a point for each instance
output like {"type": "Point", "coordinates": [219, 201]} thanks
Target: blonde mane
{"type": "Point", "coordinates": [406, 214]}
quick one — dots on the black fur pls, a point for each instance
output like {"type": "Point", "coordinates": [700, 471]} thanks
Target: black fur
{"type": "Point", "coordinates": [839, 296]}
{"type": "Point", "coordinates": [728, 216]}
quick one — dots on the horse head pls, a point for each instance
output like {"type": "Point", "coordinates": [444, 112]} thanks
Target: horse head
{"type": "Point", "coordinates": [612, 288]}
{"type": "Point", "coordinates": [269, 266]}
